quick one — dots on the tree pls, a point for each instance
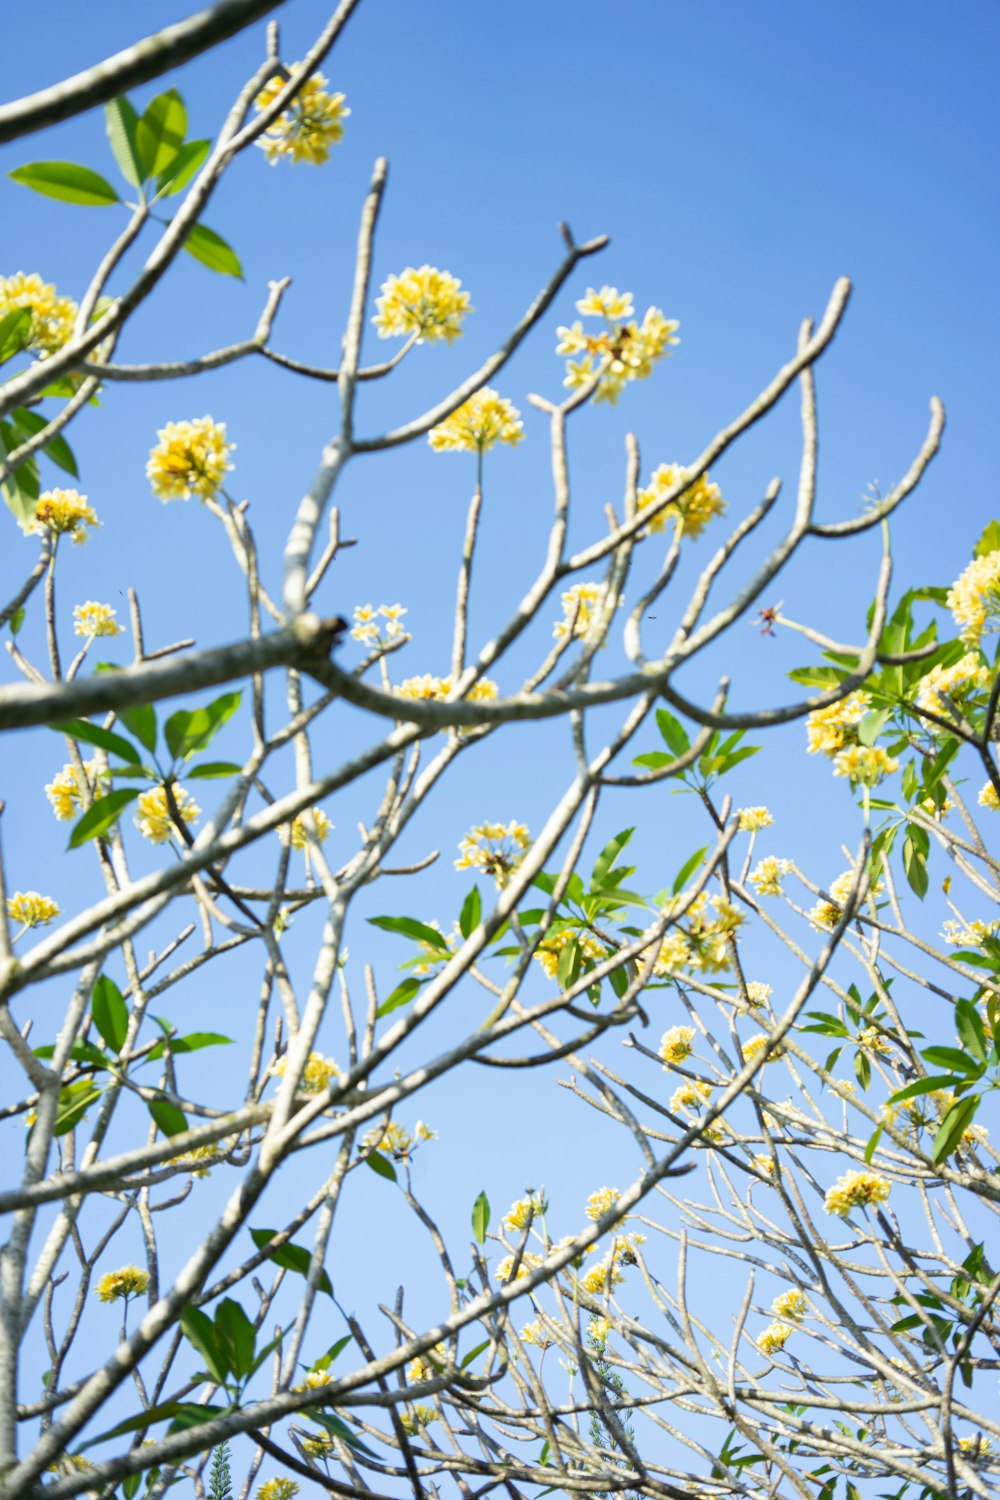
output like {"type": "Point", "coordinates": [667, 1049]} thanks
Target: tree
{"type": "Point", "coordinates": [851, 1346]}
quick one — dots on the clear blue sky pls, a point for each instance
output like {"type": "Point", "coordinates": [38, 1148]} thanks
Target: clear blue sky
{"type": "Point", "coordinates": [741, 158]}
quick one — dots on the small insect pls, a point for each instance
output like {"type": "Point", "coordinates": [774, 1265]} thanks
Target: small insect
{"type": "Point", "coordinates": [767, 618]}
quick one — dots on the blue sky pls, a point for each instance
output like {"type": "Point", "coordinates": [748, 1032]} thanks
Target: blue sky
{"type": "Point", "coordinates": [741, 158]}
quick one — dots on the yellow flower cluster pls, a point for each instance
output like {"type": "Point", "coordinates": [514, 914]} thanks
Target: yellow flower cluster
{"type": "Point", "coordinates": [753, 819]}
{"type": "Point", "coordinates": [827, 914]}
{"type": "Point", "coordinates": [495, 848]}
{"type": "Point", "coordinates": [417, 1418]}
{"type": "Point", "coordinates": [29, 909]}
{"type": "Point", "coordinates": [483, 420]}
{"type": "Point", "coordinates": [129, 1281]}
{"type": "Point", "coordinates": [437, 689]}
{"type": "Point", "coordinates": [832, 728]}
{"type": "Point", "coordinates": [753, 1048]}
{"type": "Point", "coordinates": [591, 950]}
{"type": "Point", "coordinates": [582, 608]}
{"type": "Point", "coordinates": [505, 1270]}
{"type": "Point", "coordinates": [690, 1095]}
{"type": "Point", "coordinates": [297, 834]}
{"type": "Point", "coordinates": [765, 1164]}
{"type": "Point", "coordinates": [311, 124]}
{"type": "Point", "coordinates": [791, 1304]}
{"type": "Point", "coordinates": [622, 350]}
{"type": "Point", "coordinates": [601, 1202]}
{"type": "Point", "coordinates": [599, 1330]}
{"type": "Point", "coordinates": [65, 793]}
{"type": "Point", "coordinates": [944, 687]}
{"type": "Point", "coordinates": [856, 1190]}
{"type": "Point", "coordinates": [766, 875]}
{"type": "Point", "coordinates": [774, 1338]}
{"type": "Point", "coordinates": [534, 1333]}
{"type": "Point", "coordinates": [278, 1489]}
{"type": "Point", "coordinates": [319, 1445]}
{"type": "Point", "coordinates": [704, 944]}
{"type": "Point", "coordinates": [396, 1141]}
{"type": "Point", "coordinates": [63, 513]}
{"type": "Point", "coordinates": [969, 934]}
{"type": "Point", "coordinates": [52, 316]}
{"type": "Point", "coordinates": [675, 1045]}
{"type": "Point", "coordinates": [191, 458]}
{"type": "Point", "coordinates": [974, 598]}
{"type": "Point", "coordinates": [427, 302]}
{"type": "Point", "coordinates": [421, 1368]}
{"type": "Point", "coordinates": [872, 1040]}
{"type": "Point", "coordinates": [153, 819]}
{"type": "Point", "coordinates": [758, 993]}
{"type": "Point", "coordinates": [93, 619]}
{"type": "Point", "coordinates": [200, 1159]}
{"type": "Point", "coordinates": [864, 764]}
{"type": "Point", "coordinates": [692, 510]}
{"type": "Point", "coordinates": [518, 1213]}
{"type": "Point", "coordinates": [368, 627]}
{"type": "Point", "coordinates": [317, 1075]}
{"type": "Point", "coordinates": [988, 797]}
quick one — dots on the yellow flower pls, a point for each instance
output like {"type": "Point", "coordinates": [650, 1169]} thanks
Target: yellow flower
{"type": "Point", "coordinates": [129, 1281]}
{"type": "Point", "coordinates": [969, 934]}
{"type": "Point", "coordinates": [765, 1164]}
{"type": "Point", "coordinates": [495, 848]}
{"type": "Point", "coordinates": [766, 875]}
{"type": "Point", "coordinates": [65, 793]}
{"type": "Point", "coordinates": [317, 1075]}
{"type": "Point", "coordinates": [856, 1190]}
{"type": "Point", "coordinates": [774, 1338]}
{"type": "Point", "coordinates": [29, 909]}
{"type": "Point", "coordinates": [830, 729]}
{"type": "Point", "coordinates": [418, 1417]}
{"type": "Point", "coordinates": [395, 1140]}
{"type": "Point", "coordinates": [599, 1330]}
{"type": "Point", "coordinates": [368, 628]}
{"type": "Point", "coordinates": [944, 686]}
{"type": "Point", "coordinates": [582, 607]}
{"type": "Point", "coordinates": [425, 301]}
{"type": "Point", "coordinates": [753, 819]}
{"type": "Point", "coordinates": [601, 1278]}
{"type": "Point", "coordinates": [690, 1095]}
{"type": "Point", "coordinates": [623, 1251]}
{"type": "Point", "coordinates": [191, 458]}
{"type": "Point", "coordinates": [421, 1369]}
{"type": "Point", "coordinates": [753, 1048]}
{"type": "Point", "coordinates": [505, 1270]}
{"type": "Point", "coordinates": [52, 317]}
{"type": "Point", "coordinates": [92, 619]}
{"type": "Point", "coordinates": [873, 1041]}
{"type": "Point", "coordinates": [675, 1045]}
{"type": "Point", "coordinates": [692, 510]}
{"type": "Point", "coordinates": [62, 513]}
{"type": "Point", "coordinates": [789, 1305]}
{"type": "Point", "coordinates": [988, 797]}
{"type": "Point", "coordinates": [319, 1445]}
{"type": "Point", "coordinates": [534, 1333]}
{"type": "Point", "coordinates": [604, 1199]}
{"type": "Point", "coordinates": [591, 950]}
{"type": "Point", "coordinates": [974, 598]}
{"type": "Point", "coordinates": [866, 764]}
{"type": "Point", "coordinates": [425, 687]}
{"type": "Point", "coordinates": [517, 1215]}
{"type": "Point", "coordinates": [199, 1160]}
{"type": "Point", "coordinates": [299, 838]}
{"type": "Point", "coordinates": [608, 303]}
{"type": "Point", "coordinates": [311, 124]}
{"type": "Point", "coordinates": [975, 1447]}
{"type": "Point", "coordinates": [758, 993]}
{"type": "Point", "coordinates": [153, 819]}
{"type": "Point", "coordinates": [278, 1489]}
{"type": "Point", "coordinates": [624, 350]}
{"type": "Point", "coordinates": [483, 420]}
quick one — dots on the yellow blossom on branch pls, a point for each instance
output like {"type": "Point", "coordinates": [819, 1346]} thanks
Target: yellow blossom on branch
{"type": "Point", "coordinates": [278, 1489]}
{"type": "Point", "coordinates": [154, 819]}
{"type": "Point", "coordinates": [418, 1417]}
{"type": "Point", "coordinates": [621, 351]}
{"type": "Point", "coordinates": [988, 797]}
{"type": "Point", "coordinates": [299, 836]}
{"type": "Point", "coordinates": [601, 1278]}
{"type": "Point", "coordinates": [601, 1202]}
{"type": "Point", "coordinates": [974, 598]}
{"type": "Point", "coordinates": [830, 729]}
{"type": "Point", "coordinates": [944, 687]}
{"type": "Point", "coordinates": [791, 1304]}
{"type": "Point", "coordinates": [675, 1045]}
{"type": "Point", "coordinates": [519, 1212]}
{"type": "Point", "coordinates": [396, 1141]}
{"type": "Point", "coordinates": [866, 764]}
{"type": "Point", "coordinates": [129, 1281]}
{"type": "Point", "coordinates": [426, 301]}
{"type": "Point", "coordinates": [693, 508]}
{"type": "Point", "coordinates": [29, 909]}
{"type": "Point", "coordinates": [753, 819]}
{"type": "Point", "coordinates": [774, 1338]}
{"type": "Point", "coordinates": [856, 1190]}
{"type": "Point", "coordinates": [534, 1333]}
{"type": "Point", "coordinates": [312, 123]}
{"type": "Point", "coordinates": [317, 1075]}
{"type": "Point", "coordinates": [93, 619]}
{"type": "Point", "coordinates": [63, 513]}
{"type": "Point", "coordinates": [52, 316]}
{"type": "Point", "coordinates": [758, 993]}
{"type": "Point", "coordinates": [690, 1095]}
{"type": "Point", "coordinates": [191, 458]}
{"type": "Point", "coordinates": [483, 420]}
{"type": "Point", "coordinates": [495, 848]}
{"type": "Point", "coordinates": [505, 1269]}
{"type": "Point", "coordinates": [592, 951]}
{"type": "Point", "coordinates": [766, 875]}
{"type": "Point", "coordinates": [65, 793]}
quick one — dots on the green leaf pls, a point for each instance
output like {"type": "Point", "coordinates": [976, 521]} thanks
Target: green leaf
{"type": "Point", "coordinates": [183, 167]}
{"type": "Point", "coordinates": [688, 868]}
{"type": "Point", "coordinates": [169, 1119]}
{"type": "Point", "coordinates": [952, 1057]}
{"type": "Point", "coordinates": [821, 677]}
{"type": "Point", "coordinates": [213, 251]}
{"type": "Point", "coordinates": [873, 1142]}
{"type": "Point", "coordinates": [915, 864]}
{"type": "Point", "coordinates": [141, 722]}
{"type": "Point", "coordinates": [292, 1257]}
{"type": "Point", "coordinates": [15, 330]}
{"type": "Point", "coordinates": [30, 423]}
{"type": "Point", "coordinates": [953, 1126]}
{"type": "Point", "coordinates": [326, 1360]}
{"type": "Point", "coordinates": [67, 181]}
{"type": "Point", "coordinates": [922, 1086]}
{"type": "Point", "coordinates": [100, 816]}
{"type": "Point", "coordinates": [410, 927]}
{"type": "Point", "coordinates": [475, 1353]}
{"type": "Point", "coordinates": [199, 1330]}
{"type": "Point", "coordinates": [472, 910]}
{"type": "Point", "coordinates": [673, 732]}
{"type": "Point", "coordinates": [401, 995]}
{"type": "Point", "coordinates": [110, 1012]}
{"type": "Point", "coordinates": [74, 1101]}
{"type": "Point", "coordinates": [93, 734]}
{"type": "Point", "coordinates": [188, 731]}
{"type": "Point", "coordinates": [16, 620]}
{"type": "Point", "coordinates": [20, 489]}
{"type": "Point", "coordinates": [568, 967]}
{"type": "Point", "coordinates": [338, 1428]}
{"type": "Point", "coordinates": [481, 1218]}
{"type": "Point", "coordinates": [607, 857]}
{"type": "Point", "coordinates": [160, 133]}
{"type": "Point", "coordinates": [235, 1336]}
{"type": "Point", "coordinates": [653, 760]}
{"type": "Point", "coordinates": [154, 1414]}
{"type": "Point", "coordinates": [212, 768]}
{"type": "Point", "coordinates": [193, 1042]}
{"type": "Point", "coordinates": [989, 541]}
{"type": "Point", "coordinates": [871, 726]}
{"type": "Point", "coordinates": [121, 120]}
{"type": "Point", "coordinates": [971, 1030]}
{"type": "Point", "coordinates": [381, 1166]}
